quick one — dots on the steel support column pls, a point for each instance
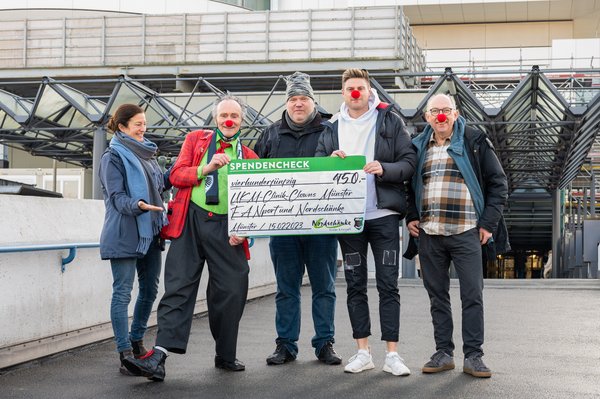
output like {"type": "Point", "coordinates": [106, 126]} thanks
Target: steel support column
{"type": "Point", "coordinates": [593, 194]}
{"type": "Point", "coordinates": [99, 148]}
{"type": "Point", "coordinates": [556, 218]}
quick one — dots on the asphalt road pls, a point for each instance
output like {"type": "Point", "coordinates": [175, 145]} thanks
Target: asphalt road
{"type": "Point", "coordinates": [542, 341]}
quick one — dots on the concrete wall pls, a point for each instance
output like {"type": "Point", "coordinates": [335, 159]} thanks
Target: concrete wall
{"type": "Point", "coordinates": [494, 45]}
{"type": "Point", "coordinates": [45, 311]}
{"type": "Point", "coordinates": [506, 35]}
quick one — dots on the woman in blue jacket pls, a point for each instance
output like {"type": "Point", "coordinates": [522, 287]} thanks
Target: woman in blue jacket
{"type": "Point", "coordinates": [132, 183]}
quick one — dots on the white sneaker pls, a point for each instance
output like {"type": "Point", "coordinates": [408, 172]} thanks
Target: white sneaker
{"type": "Point", "coordinates": [360, 362]}
{"type": "Point", "coordinates": [394, 364]}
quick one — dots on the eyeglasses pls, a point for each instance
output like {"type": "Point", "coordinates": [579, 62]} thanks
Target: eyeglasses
{"type": "Point", "coordinates": [446, 111]}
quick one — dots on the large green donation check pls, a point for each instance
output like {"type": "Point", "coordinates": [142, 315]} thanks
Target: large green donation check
{"type": "Point", "coordinates": [292, 196]}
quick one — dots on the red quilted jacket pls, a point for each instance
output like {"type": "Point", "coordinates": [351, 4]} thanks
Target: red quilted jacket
{"type": "Point", "coordinates": [184, 176]}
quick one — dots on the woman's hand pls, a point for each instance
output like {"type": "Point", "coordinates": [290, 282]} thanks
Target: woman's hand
{"type": "Point", "coordinates": [147, 207]}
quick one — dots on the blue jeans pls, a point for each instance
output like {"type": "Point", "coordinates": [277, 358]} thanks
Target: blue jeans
{"type": "Point", "coordinates": [290, 256]}
{"type": "Point", "coordinates": [123, 271]}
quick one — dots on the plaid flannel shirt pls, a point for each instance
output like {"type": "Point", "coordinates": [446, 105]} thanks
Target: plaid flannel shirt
{"type": "Point", "coordinates": [447, 204]}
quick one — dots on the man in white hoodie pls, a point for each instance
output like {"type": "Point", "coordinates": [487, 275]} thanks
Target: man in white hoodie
{"type": "Point", "coordinates": [367, 126]}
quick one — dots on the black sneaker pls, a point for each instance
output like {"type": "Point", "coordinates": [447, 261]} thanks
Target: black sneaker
{"type": "Point", "coordinates": [280, 356]}
{"type": "Point", "coordinates": [328, 355]}
{"type": "Point", "coordinates": [151, 366]}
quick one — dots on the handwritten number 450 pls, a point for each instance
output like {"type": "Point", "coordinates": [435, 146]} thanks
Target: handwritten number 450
{"type": "Point", "coordinates": [346, 178]}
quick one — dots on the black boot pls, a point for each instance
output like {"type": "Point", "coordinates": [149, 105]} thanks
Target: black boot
{"type": "Point", "coordinates": [151, 366]}
{"type": "Point", "coordinates": [122, 369]}
{"type": "Point", "coordinates": [138, 349]}
{"type": "Point", "coordinates": [280, 356]}
{"type": "Point", "coordinates": [328, 355]}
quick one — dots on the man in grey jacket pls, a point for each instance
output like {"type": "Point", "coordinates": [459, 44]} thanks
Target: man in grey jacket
{"type": "Point", "coordinates": [366, 126]}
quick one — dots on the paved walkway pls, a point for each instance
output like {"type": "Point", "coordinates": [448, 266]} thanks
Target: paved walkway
{"type": "Point", "coordinates": [542, 341]}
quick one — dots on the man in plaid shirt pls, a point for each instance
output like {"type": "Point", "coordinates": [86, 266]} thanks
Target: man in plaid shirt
{"type": "Point", "coordinates": [459, 194]}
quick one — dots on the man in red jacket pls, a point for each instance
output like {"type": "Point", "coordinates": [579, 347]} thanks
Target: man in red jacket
{"type": "Point", "coordinates": [198, 229]}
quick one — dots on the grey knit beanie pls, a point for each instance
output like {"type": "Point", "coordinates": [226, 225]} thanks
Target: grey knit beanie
{"type": "Point", "coordinates": [298, 84]}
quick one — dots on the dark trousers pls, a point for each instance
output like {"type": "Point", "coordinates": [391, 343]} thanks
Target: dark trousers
{"type": "Point", "coordinates": [435, 254]}
{"type": "Point", "coordinates": [204, 239]}
{"type": "Point", "coordinates": [384, 237]}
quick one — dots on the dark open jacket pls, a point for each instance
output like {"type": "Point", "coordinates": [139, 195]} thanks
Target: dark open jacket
{"type": "Point", "coordinates": [393, 149]}
{"type": "Point", "coordinates": [491, 179]}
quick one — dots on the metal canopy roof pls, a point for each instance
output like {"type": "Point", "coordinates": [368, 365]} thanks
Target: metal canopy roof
{"type": "Point", "coordinates": [542, 140]}
{"type": "Point", "coordinates": [60, 121]}
{"type": "Point", "coordinates": [531, 130]}
{"type": "Point", "coordinates": [542, 135]}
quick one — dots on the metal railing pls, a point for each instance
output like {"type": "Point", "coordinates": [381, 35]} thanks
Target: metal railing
{"type": "Point", "coordinates": [72, 247]}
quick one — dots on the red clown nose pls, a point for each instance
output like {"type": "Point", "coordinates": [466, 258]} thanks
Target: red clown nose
{"type": "Point", "coordinates": [441, 118]}
{"type": "Point", "coordinates": [355, 94]}
{"type": "Point", "coordinates": [228, 123]}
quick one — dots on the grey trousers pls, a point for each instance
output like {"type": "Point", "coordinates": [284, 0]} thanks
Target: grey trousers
{"type": "Point", "coordinates": [435, 254]}
{"type": "Point", "coordinates": [204, 240]}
